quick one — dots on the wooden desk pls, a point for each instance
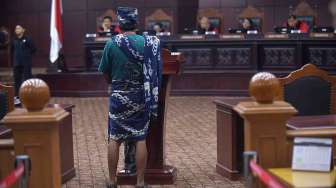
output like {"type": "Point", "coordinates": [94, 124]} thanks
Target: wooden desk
{"type": "Point", "coordinates": [324, 125]}
{"type": "Point", "coordinates": [66, 144]}
{"type": "Point", "coordinates": [225, 66]}
{"type": "Point", "coordinates": [230, 137]}
{"type": "Point", "coordinates": [304, 179]}
{"type": "Point", "coordinates": [230, 134]}
{"type": "Point", "coordinates": [312, 126]}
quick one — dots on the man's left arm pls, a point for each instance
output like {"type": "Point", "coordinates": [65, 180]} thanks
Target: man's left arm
{"type": "Point", "coordinates": [105, 63]}
{"type": "Point", "coordinates": [32, 46]}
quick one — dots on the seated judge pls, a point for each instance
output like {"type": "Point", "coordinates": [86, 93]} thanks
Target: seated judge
{"type": "Point", "coordinates": [205, 26]}
{"type": "Point", "coordinates": [107, 28]}
{"type": "Point", "coordinates": [247, 25]}
{"type": "Point", "coordinates": [158, 28]}
{"type": "Point", "coordinates": [294, 24]}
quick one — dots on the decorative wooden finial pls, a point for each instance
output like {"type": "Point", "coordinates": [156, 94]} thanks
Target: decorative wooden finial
{"type": "Point", "coordinates": [34, 94]}
{"type": "Point", "coordinates": [264, 87]}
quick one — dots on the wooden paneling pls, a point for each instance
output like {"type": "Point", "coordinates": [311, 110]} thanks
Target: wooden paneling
{"type": "Point", "coordinates": [210, 3]}
{"type": "Point", "coordinates": [76, 5]}
{"type": "Point", "coordinates": [79, 18]}
{"type": "Point", "coordinates": [100, 4]}
{"type": "Point", "coordinates": [232, 3]}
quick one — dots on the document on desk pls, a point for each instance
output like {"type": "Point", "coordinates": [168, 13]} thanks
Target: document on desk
{"type": "Point", "coordinates": [312, 154]}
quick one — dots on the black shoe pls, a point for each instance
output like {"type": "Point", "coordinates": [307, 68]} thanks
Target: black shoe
{"type": "Point", "coordinates": [130, 172]}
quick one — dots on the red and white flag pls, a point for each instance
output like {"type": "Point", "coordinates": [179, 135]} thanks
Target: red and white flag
{"type": "Point", "coordinates": [56, 30]}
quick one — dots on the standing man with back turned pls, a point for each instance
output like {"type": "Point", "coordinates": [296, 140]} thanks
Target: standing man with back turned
{"type": "Point", "coordinates": [22, 50]}
{"type": "Point", "coordinates": [132, 64]}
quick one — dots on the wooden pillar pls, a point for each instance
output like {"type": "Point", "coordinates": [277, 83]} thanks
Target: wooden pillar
{"type": "Point", "coordinates": [36, 133]}
{"type": "Point", "coordinates": [265, 121]}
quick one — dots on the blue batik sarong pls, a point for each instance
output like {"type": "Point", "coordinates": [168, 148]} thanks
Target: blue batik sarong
{"type": "Point", "coordinates": [133, 102]}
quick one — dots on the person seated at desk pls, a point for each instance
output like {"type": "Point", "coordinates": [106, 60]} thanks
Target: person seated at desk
{"type": "Point", "coordinates": [107, 28]}
{"type": "Point", "coordinates": [294, 24]}
{"type": "Point", "coordinates": [247, 25]}
{"type": "Point", "coordinates": [205, 26]}
{"type": "Point", "coordinates": [158, 28]}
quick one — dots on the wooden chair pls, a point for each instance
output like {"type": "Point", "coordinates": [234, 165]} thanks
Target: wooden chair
{"type": "Point", "coordinates": [4, 47]}
{"type": "Point", "coordinates": [306, 13]}
{"type": "Point", "coordinates": [160, 16]}
{"type": "Point", "coordinates": [215, 17]}
{"type": "Point", "coordinates": [256, 16]}
{"type": "Point", "coordinates": [310, 90]}
{"type": "Point", "coordinates": [6, 105]}
{"type": "Point", "coordinates": [6, 143]}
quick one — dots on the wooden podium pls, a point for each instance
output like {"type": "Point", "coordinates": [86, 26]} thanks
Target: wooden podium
{"type": "Point", "coordinates": [157, 171]}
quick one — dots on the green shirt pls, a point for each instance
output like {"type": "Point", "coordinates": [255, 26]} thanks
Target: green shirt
{"type": "Point", "coordinates": [115, 63]}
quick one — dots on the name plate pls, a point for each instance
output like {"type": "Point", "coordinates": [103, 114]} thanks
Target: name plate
{"type": "Point", "coordinates": [252, 32]}
{"type": "Point", "coordinates": [192, 37]}
{"type": "Point", "coordinates": [312, 154]}
{"type": "Point", "coordinates": [322, 35]}
{"type": "Point", "coordinates": [175, 53]}
{"type": "Point", "coordinates": [164, 34]}
{"type": "Point", "coordinates": [102, 39]}
{"type": "Point", "coordinates": [210, 33]}
{"type": "Point", "coordinates": [276, 36]}
{"type": "Point", "coordinates": [232, 36]}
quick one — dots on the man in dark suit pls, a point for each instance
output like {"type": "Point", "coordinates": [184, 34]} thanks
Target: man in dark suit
{"type": "Point", "coordinates": [22, 50]}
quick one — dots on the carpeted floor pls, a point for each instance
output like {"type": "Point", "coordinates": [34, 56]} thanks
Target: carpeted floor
{"type": "Point", "coordinates": [190, 142]}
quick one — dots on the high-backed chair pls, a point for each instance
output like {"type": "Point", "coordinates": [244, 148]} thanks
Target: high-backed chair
{"type": "Point", "coordinates": [215, 17]}
{"type": "Point", "coordinates": [6, 143]}
{"type": "Point", "coordinates": [6, 100]}
{"type": "Point", "coordinates": [4, 46]}
{"type": "Point", "coordinates": [252, 13]}
{"type": "Point", "coordinates": [306, 13]}
{"type": "Point", "coordinates": [160, 16]}
{"type": "Point", "coordinates": [310, 90]}
{"type": "Point", "coordinates": [6, 105]}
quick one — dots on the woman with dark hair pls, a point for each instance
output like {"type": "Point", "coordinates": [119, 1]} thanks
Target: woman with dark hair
{"type": "Point", "coordinates": [247, 25]}
{"type": "Point", "coordinates": [132, 65]}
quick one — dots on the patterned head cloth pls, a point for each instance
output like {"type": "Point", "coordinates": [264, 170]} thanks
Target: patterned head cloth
{"type": "Point", "coordinates": [127, 15]}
